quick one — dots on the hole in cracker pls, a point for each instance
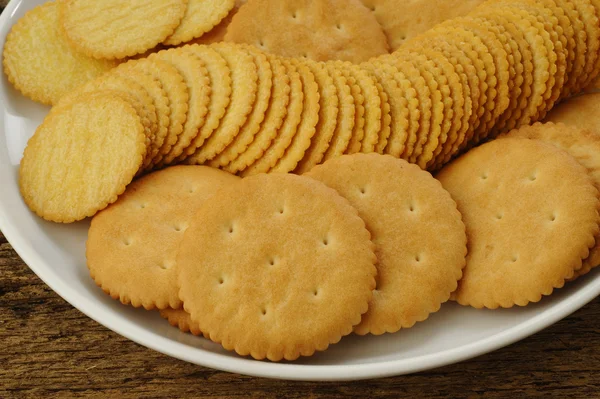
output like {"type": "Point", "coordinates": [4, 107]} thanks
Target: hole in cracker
{"type": "Point", "coordinates": [281, 210]}
{"type": "Point", "coordinates": [230, 229]}
{"type": "Point", "coordinates": [272, 261]}
{"type": "Point", "coordinates": [164, 266]}
{"type": "Point", "coordinates": [418, 258]}
{"type": "Point", "coordinates": [294, 15]}
{"type": "Point", "coordinates": [142, 206]}
{"type": "Point", "coordinates": [192, 190]}
{"type": "Point", "coordinates": [325, 241]}
{"type": "Point", "coordinates": [363, 190]}
{"type": "Point", "coordinates": [315, 292]}
{"type": "Point", "coordinates": [261, 43]}
{"type": "Point", "coordinates": [514, 258]}
{"type": "Point", "coordinates": [484, 176]}
{"type": "Point", "coordinates": [533, 177]}
{"type": "Point", "coordinates": [499, 216]}
{"type": "Point", "coordinates": [411, 208]}
{"type": "Point", "coordinates": [127, 242]}
{"type": "Point", "coordinates": [178, 228]}
{"type": "Point", "coordinates": [553, 217]}
{"type": "Point", "coordinates": [221, 280]}
{"type": "Point", "coordinates": [339, 27]}
{"type": "Point", "coordinates": [263, 311]}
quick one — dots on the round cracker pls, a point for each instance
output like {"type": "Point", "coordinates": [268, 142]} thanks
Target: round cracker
{"type": "Point", "coordinates": [589, 17]}
{"type": "Point", "coordinates": [177, 94]}
{"type": "Point", "coordinates": [201, 99]}
{"type": "Point", "coordinates": [200, 17]}
{"type": "Point", "coordinates": [132, 245]}
{"type": "Point", "coordinates": [275, 115]}
{"type": "Point", "coordinates": [584, 146]}
{"type": "Point", "coordinates": [308, 122]}
{"type": "Point", "coordinates": [82, 157]}
{"type": "Point", "coordinates": [404, 21]}
{"type": "Point", "coordinates": [286, 132]}
{"type": "Point", "coordinates": [159, 100]}
{"type": "Point", "coordinates": [404, 105]}
{"type": "Point", "coordinates": [517, 196]}
{"type": "Point", "coordinates": [257, 115]}
{"type": "Point", "coordinates": [346, 115]}
{"type": "Point", "coordinates": [136, 95]}
{"type": "Point", "coordinates": [386, 119]}
{"type": "Point", "coordinates": [358, 131]}
{"type": "Point", "coordinates": [117, 29]}
{"type": "Point", "coordinates": [244, 86]}
{"type": "Point", "coordinates": [323, 30]}
{"type": "Point", "coordinates": [372, 105]}
{"type": "Point", "coordinates": [37, 36]}
{"type": "Point", "coordinates": [328, 113]}
{"type": "Point", "coordinates": [278, 264]}
{"type": "Point", "coordinates": [403, 207]}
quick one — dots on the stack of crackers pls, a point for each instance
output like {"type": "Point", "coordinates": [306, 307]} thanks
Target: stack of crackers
{"type": "Point", "coordinates": [344, 244]}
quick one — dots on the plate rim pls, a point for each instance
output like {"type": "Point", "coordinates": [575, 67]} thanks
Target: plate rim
{"type": "Point", "coordinates": [288, 371]}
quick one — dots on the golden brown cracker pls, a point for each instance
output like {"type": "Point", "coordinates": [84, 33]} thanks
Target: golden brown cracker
{"type": "Point", "coordinates": [181, 319]}
{"type": "Point", "coordinates": [132, 245]}
{"type": "Point", "coordinates": [117, 29]}
{"type": "Point", "coordinates": [304, 281]}
{"type": "Point", "coordinates": [199, 82]}
{"type": "Point", "coordinates": [244, 86]}
{"type": "Point", "coordinates": [346, 117]}
{"type": "Point", "coordinates": [404, 105]}
{"type": "Point", "coordinates": [319, 30]}
{"type": "Point", "coordinates": [39, 62]}
{"type": "Point", "coordinates": [517, 196]}
{"type": "Point", "coordinates": [582, 112]}
{"type": "Point", "coordinates": [257, 115]}
{"type": "Point", "coordinates": [403, 207]}
{"type": "Point", "coordinates": [328, 113]}
{"type": "Point", "coordinates": [274, 117]}
{"type": "Point", "coordinates": [402, 21]}
{"type": "Point", "coordinates": [584, 146]}
{"type": "Point", "coordinates": [200, 17]}
{"type": "Point", "coordinates": [286, 132]}
{"type": "Point", "coordinates": [308, 122]}
{"type": "Point", "coordinates": [82, 157]}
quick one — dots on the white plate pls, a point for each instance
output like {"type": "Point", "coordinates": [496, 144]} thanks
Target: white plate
{"type": "Point", "coordinates": [56, 254]}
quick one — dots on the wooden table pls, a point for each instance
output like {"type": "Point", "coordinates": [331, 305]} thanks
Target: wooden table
{"type": "Point", "coordinates": [50, 349]}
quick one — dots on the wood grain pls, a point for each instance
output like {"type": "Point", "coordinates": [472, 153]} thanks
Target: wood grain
{"type": "Point", "coordinates": [49, 349]}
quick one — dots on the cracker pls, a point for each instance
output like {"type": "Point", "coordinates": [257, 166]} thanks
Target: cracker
{"type": "Point", "coordinates": [274, 117]}
{"type": "Point", "coordinates": [372, 105]}
{"type": "Point", "coordinates": [402, 21]}
{"type": "Point", "coordinates": [386, 119]}
{"type": "Point", "coordinates": [403, 207]}
{"type": "Point", "coordinates": [444, 40]}
{"type": "Point", "coordinates": [181, 319]}
{"type": "Point", "coordinates": [584, 146]}
{"type": "Point", "coordinates": [159, 100]}
{"type": "Point", "coordinates": [200, 17]}
{"type": "Point", "coordinates": [217, 34]}
{"type": "Point", "coordinates": [589, 17]}
{"type": "Point", "coordinates": [132, 245]}
{"type": "Point", "coordinates": [279, 143]}
{"type": "Point", "coordinates": [82, 157]}
{"type": "Point", "coordinates": [582, 112]}
{"type": "Point", "coordinates": [257, 115]}
{"type": "Point", "coordinates": [547, 25]}
{"type": "Point", "coordinates": [177, 94]}
{"type": "Point", "coordinates": [202, 100]}
{"type": "Point", "coordinates": [319, 30]}
{"type": "Point", "coordinates": [37, 37]}
{"type": "Point", "coordinates": [308, 122]}
{"type": "Point", "coordinates": [117, 29]}
{"type": "Point", "coordinates": [136, 95]}
{"type": "Point", "coordinates": [346, 115]}
{"type": "Point", "coordinates": [358, 132]}
{"type": "Point", "coordinates": [274, 293]}
{"type": "Point", "coordinates": [220, 95]}
{"type": "Point", "coordinates": [328, 113]}
{"type": "Point", "coordinates": [244, 86]}
{"type": "Point", "coordinates": [517, 196]}
{"type": "Point", "coordinates": [404, 105]}
{"type": "Point", "coordinates": [577, 75]}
